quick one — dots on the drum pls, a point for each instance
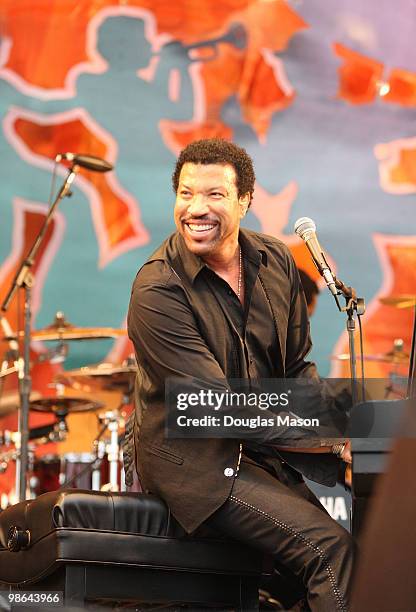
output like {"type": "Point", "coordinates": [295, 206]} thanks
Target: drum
{"type": "Point", "coordinates": [77, 470]}
{"type": "Point", "coordinates": [45, 476]}
{"type": "Point", "coordinates": [72, 470]}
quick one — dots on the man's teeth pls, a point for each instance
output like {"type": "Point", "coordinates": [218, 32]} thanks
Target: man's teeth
{"type": "Point", "coordinates": [199, 228]}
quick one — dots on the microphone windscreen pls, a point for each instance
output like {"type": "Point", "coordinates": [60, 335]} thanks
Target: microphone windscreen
{"type": "Point", "coordinates": [304, 224]}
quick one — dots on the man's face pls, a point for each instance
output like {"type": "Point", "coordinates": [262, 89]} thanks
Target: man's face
{"type": "Point", "coordinates": [208, 209]}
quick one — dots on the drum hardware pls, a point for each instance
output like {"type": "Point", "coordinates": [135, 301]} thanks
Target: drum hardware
{"type": "Point", "coordinates": [56, 432]}
{"type": "Point", "coordinates": [5, 371]}
{"type": "Point", "coordinates": [396, 387]}
{"type": "Point", "coordinates": [58, 354]}
{"type": "Point", "coordinates": [6, 437]}
{"type": "Point", "coordinates": [5, 459]}
{"type": "Point", "coordinates": [112, 422]}
{"type": "Point", "coordinates": [99, 451]}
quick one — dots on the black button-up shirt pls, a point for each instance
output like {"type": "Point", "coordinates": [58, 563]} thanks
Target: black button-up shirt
{"type": "Point", "coordinates": [253, 322]}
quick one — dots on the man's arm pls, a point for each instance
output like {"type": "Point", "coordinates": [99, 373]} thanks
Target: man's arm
{"type": "Point", "coordinates": [297, 348]}
{"type": "Point", "coordinates": [164, 330]}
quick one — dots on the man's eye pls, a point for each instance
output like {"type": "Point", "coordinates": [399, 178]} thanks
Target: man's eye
{"type": "Point", "coordinates": [217, 194]}
{"type": "Point", "coordinates": [185, 193]}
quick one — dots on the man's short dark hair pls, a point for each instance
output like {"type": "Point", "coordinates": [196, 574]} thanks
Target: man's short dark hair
{"type": "Point", "coordinates": [218, 151]}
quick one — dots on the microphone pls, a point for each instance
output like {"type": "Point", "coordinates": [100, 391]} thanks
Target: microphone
{"type": "Point", "coordinates": [90, 162]}
{"type": "Point", "coordinates": [305, 228]}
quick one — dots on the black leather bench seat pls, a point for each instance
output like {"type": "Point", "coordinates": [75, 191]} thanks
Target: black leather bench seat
{"type": "Point", "coordinates": [112, 530]}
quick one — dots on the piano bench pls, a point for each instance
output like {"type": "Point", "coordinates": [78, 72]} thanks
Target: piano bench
{"type": "Point", "coordinates": [121, 547]}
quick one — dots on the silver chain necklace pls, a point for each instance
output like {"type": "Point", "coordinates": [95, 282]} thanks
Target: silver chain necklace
{"type": "Point", "coordinates": [240, 273]}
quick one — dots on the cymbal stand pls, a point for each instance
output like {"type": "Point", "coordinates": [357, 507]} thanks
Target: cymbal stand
{"type": "Point", "coordinates": [113, 451]}
{"type": "Point", "coordinates": [24, 279]}
{"type": "Point", "coordinates": [112, 420]}
{"type": "Point", "coordinates": [96, 472]}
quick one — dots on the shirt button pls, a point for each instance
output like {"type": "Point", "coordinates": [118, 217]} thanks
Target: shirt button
{"type": "Point", "coordinates": [228, 472]}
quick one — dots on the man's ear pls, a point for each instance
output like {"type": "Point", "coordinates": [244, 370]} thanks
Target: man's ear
{"type": "Point", "coordinates": [244, 203]}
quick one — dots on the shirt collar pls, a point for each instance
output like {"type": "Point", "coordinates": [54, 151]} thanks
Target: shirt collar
{"type": "Point", "coordinates": [252, 247]}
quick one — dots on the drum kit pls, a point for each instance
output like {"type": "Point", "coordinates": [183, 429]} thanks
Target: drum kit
{"type": "Point", "coordinates": [77, 393]}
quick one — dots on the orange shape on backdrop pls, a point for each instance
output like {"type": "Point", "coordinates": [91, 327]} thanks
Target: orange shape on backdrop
{"type": "Point", "coordinates": [304, 261]}
{"type": "Point", "coordinates": [271, 24]}
{"type": "Point", "coordinates": [397, 165]}
{"type": "Point", "coordinates": [45, 48]}
{"type": "Point", "coordinates": [177, 135]}
{"type": "Point", "coordinates": [402, 88]}
{"type": "Point", "coordinates": [263, 91]}
{"type": "Point", "coordinates": [220, 78]}
{"type": "Point", "coordinates": [358, 75]}
{"type": "Point", "coordinates": [191, 21]}
{"type": "Point", "coordinates": [405, 170]}
{"type": "Point", "coordinates": [47, 38]}
{"type": "Point", "coordinates": [47, 139]}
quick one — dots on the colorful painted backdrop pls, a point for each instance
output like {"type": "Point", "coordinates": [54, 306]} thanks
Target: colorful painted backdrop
{"type": "Point", "coordinates": [321, 94]}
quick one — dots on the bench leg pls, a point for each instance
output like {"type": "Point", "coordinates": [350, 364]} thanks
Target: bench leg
{"type": "Point", "coordinates": [249, 600]}
{"type": "Point", "coordinates": [74, 588]}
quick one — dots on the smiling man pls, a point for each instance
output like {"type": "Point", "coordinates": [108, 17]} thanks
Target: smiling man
{"type": "Point", "coordinates": [215, 303]}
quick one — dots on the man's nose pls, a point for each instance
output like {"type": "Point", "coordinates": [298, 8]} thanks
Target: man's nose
{"type": "Point", "coordinates": [198, 206]}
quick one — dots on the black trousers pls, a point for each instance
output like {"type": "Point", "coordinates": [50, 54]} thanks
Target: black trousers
{"type": "Point", "coordinates": [281, 516]}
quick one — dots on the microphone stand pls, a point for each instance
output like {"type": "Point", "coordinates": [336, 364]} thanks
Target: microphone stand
{"type": "Point", "coordinates": [25, 279]}
{"type": "Point", "coordinates": [352, 304]}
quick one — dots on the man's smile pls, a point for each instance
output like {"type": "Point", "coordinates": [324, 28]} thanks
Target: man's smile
{"type": "Point", "coordinates": [200, 229]}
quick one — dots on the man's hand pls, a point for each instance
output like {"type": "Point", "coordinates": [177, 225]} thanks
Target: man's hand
{"type": "Point", "coordinates": [346, 453]}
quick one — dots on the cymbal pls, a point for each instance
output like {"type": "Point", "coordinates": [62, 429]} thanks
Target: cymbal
{"type": "Point", "coordinates": [61, 406]}
{"type": "Point", "coordinates": [10, 401]}
{"type": "Point", "coordinates": [399, 301]}
{"type": "Point", "coordinates": [65, 334]}
{"type": "Point", "coordinates": [76, 333]}
{"type": "Point", "coordinates": [396, 357]}
{"type": "Point", "coordinates": [103, 377]}
{"type": "Point", "coordinates": [63, 330]}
